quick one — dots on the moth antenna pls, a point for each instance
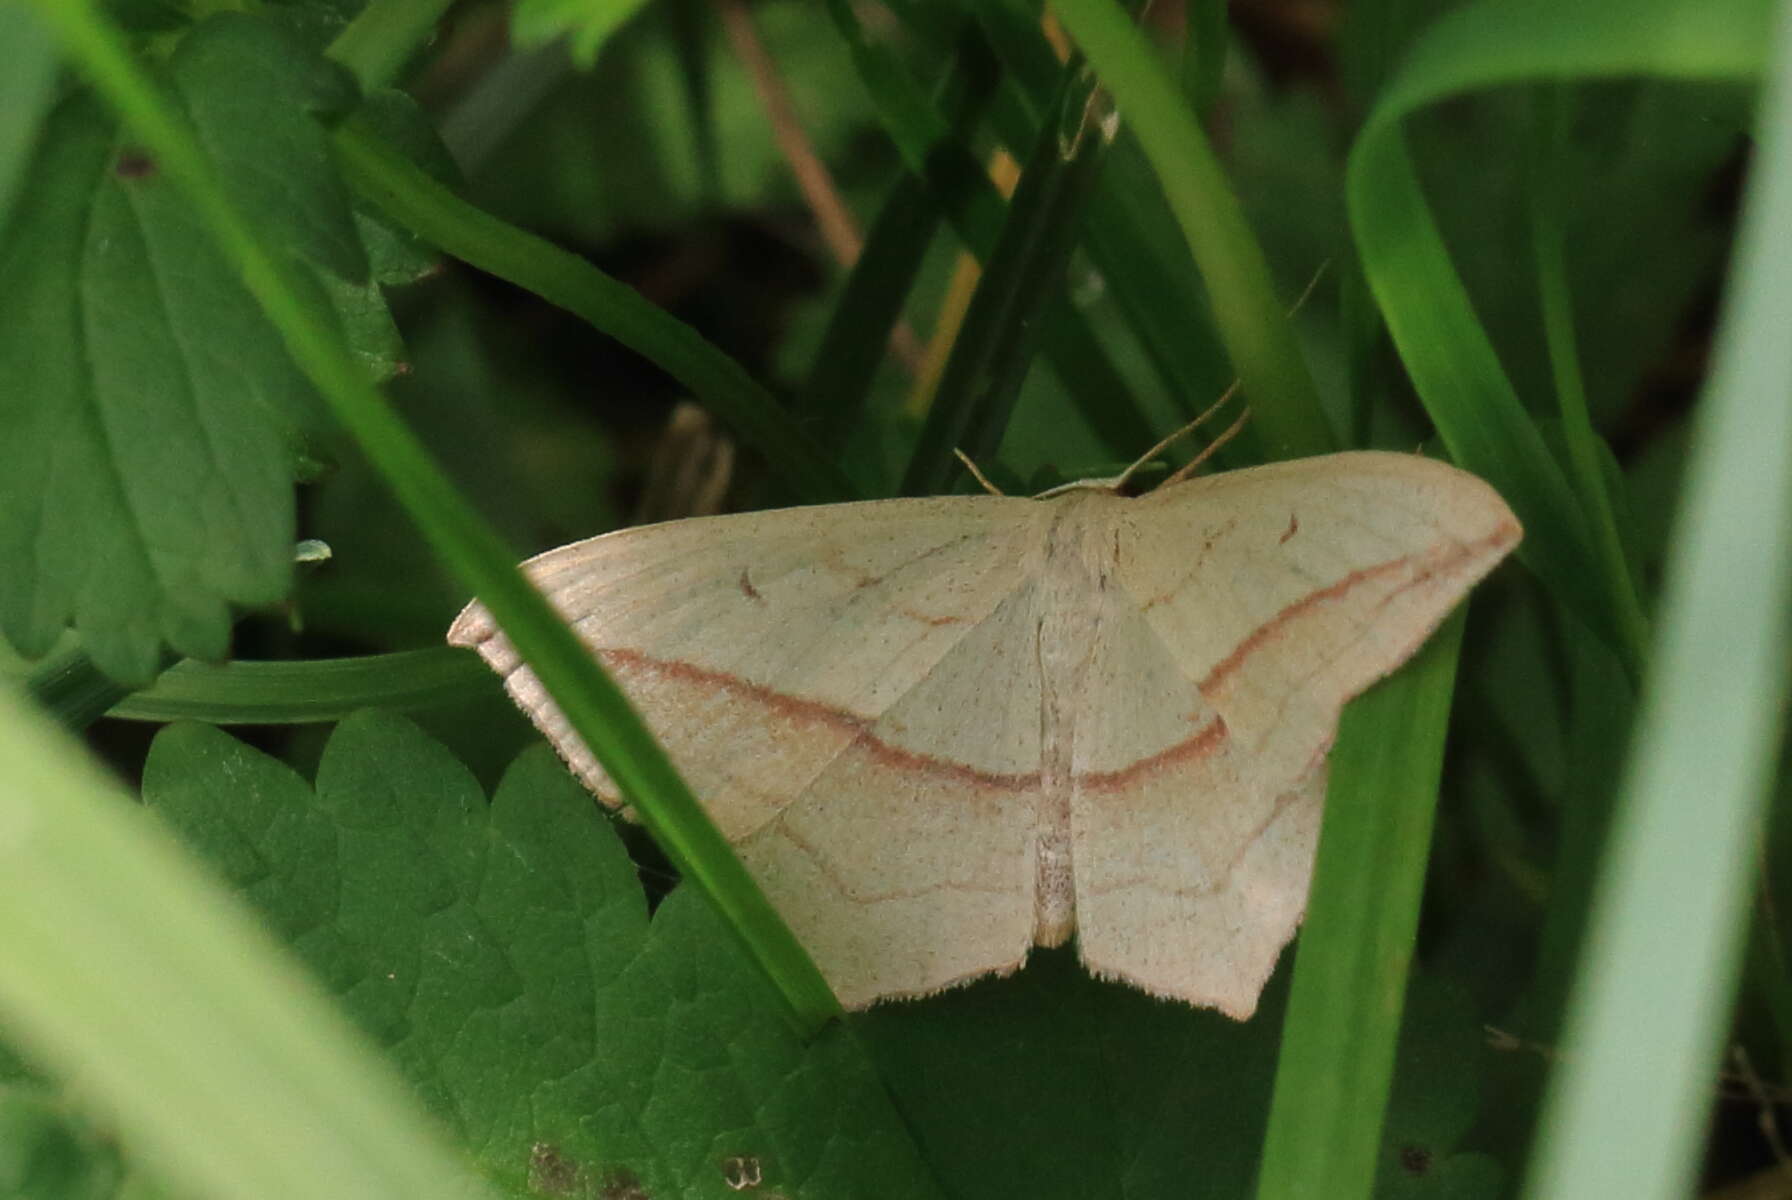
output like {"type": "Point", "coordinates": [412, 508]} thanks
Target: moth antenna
{"type": "Point", "coordinates": [1192, 465]}
{"type": "Point", "coordinates": [1125, 476]}
{"type": "Point", "coordinates": [1183, 472]}
{"type": "Point", "coordinates": [970, 466]}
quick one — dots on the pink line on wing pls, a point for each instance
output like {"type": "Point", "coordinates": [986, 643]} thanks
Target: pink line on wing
{"type": "Point", "coordinates": [797, 711]}
{"type": "Point", "coordinates": [1440, 561]}
{"type": "Point", "coordinates": [1205, 740]}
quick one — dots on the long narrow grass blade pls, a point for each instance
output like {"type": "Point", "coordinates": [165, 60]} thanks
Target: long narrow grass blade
{"type": "Point", "coordinates": [857, 337]}
{"type": "Point", "coordinates": [306, 692]}
{"type": "Point", "coordinates": [1625, 1114]}
{"type": "Point", "coordinates": [1350, 967]}
{"type": "Point", "coordinates": [859, 329]}
{"type": "Point", "coordinates": [970, 202]}
{"type": "Point", "coordinates": [72, 688]}
{"type": "Point", "coordinates": [1446, 352]}
{"type": "Point", "coordinates": [1024, 274]}
{"type": "Point", "coordinates": [383, 35]}
{"type": "Point", "coordinates": [409, 196]}
{"type": "Point", "coordinates": [1586, 452]}
{"type": "Point", "coordinates": [1129, 233]}
{"type": "Point", "coordinates": [1251, 319]}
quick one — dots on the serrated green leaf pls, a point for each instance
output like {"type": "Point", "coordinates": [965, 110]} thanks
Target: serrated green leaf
{"type": "Point", "coordinates": [252, 92]}
{"type": "Point", "coordinates": [149, 408]}
{"type": "Point", "coordinates": [142, 487]}
{"type": "Point", "coordinates": [396, 255]}
{"type": "Point", "coordinates": [505, 958]}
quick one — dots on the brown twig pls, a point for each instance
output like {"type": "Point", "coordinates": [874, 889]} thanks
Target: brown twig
{"type": "Point", "coordinates": [839, 231]}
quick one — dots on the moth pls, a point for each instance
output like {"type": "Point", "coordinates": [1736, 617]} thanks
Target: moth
{"type": "Point", "coordinates": [942, 731]}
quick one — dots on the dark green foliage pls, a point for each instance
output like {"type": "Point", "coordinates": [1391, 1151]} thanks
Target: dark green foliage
{"type": "Point", "coordinates": [604, 243]}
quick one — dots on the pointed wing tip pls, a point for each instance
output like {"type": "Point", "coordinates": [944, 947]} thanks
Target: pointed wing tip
{"type": "Point", "coordinates": [472, 628]}
{"type": "Point", "coordinates": [1502, 539]}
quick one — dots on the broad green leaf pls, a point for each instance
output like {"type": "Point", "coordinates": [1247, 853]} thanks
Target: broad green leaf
{"type": "Point", "coordinates": [504, 956]}
{"type": "Point", "coordinates": [1056, 1086]}
{"type": "Point", "coordinates": [27, 89]}
{"type": "Point", "coordinates": [249, 90]}
{"type": "Point", "coordinates": [149, 409]}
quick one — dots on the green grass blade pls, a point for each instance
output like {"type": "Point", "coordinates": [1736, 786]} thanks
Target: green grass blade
{"type": "Point", "coordinates": [305, 692]}
{"type": "Point", "coordinates": [1024, 274]}
{"type": "Point", "coordinates": [1204, 52]}
{"type": "Point", "coordinates": [857, 338]}
{"type": "Point", "coordinates": [1129, 233]}
{"type": "Point", "coordinates": [690, 24]}
{"type": "Point", "coordinates": [215, 1055]}
{"type": "Point", "coordinates": [1586, 452]}
{"type": "Point", "coordinates": [858, 331]}
{"type": "Point", "coordinates": [1446, 352]}
{"type": "Point", "coordinates": [1627, 1106]}
{"type": "Point", "coordinates": [377, 43]}
{"type": "Point", "coordinates": [1350, 966]}
{"type": "Point", "coordinates": [595, 707]}
{"type": "Point", "coordinates": [1251, 319]}
{"type": "Point", "coordinates": [70, 686]}
{"type": "Point", "coordinates": [411, 197]}
{"type": "Point", "coordinates": [976, 211]}
{"type": "Point", "coordinates": [1466, 392]}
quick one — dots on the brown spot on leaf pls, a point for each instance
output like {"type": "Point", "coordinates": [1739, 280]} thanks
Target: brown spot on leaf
{"type": "Point", "coordinates": [134, 164]}
{"type": "Point", "coordinates": [551, 1172]}
{"type": "Point", "coordinates": [1415, 1159]}
{"type": "Point", "coordinates": [1293, 528]}
{"type": "Point", "coordinates": [740, 1172]}
{"type": "Point", "coordinates": [747, 589]}
{"type": "Point", "coordinates": [622, 1185]}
